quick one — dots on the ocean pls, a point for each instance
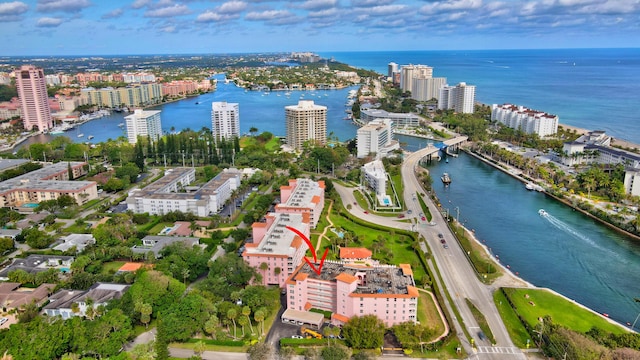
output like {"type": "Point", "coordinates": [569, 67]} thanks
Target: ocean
{"type": "Point", "coordinates": [595, 89]}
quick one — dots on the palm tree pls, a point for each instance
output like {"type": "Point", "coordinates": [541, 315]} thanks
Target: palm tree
{"type": "Point", "coordinates": [246, 311]}
{"type": "Point", "coordinates": [243, 321]}
{"type": "Point", "coordinates": [259, 317]}
{"type": "Point", "coordinates": [211, 326]}
{"type": "Point", "coordinates": [253, 130]}
{"type": "Point", "coordinates": [231, 315]}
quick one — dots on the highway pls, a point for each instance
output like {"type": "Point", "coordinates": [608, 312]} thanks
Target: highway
{"type": "Point", "coordinates": [458, 275]}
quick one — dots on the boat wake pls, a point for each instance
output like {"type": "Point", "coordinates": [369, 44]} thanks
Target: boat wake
{"type": "Point", "coordinates": [559, 224]}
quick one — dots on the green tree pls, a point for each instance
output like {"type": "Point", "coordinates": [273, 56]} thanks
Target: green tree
{"type": "Point", "coordinates": [260, 351]}
{"type": "Point", "coordinates": [364, 332]}
{"type": "Point", "coordinates": [336, 351]}
{"type": "Point", "coordinates": [231, 315]}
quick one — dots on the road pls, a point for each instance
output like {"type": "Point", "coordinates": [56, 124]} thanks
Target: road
{"type": "Point", "coordinates": [457, 274]}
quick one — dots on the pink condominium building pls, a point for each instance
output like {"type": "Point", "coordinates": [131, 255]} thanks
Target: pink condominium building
{"type": "Point", "coordinates": [34, 100]}
{"type": "Point", "coordinates": [348, 290]}
{"type": "Point", "coordinates": [300, 196]}
{"type": "Point", "coordinates": [276, 251]}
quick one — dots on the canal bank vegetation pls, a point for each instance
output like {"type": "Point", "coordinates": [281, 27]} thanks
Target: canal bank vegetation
{"type": "Point", "coordinates": [562, 328]}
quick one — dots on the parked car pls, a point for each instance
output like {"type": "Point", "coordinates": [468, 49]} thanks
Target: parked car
{"type": "Point", "coordinates": [296, 337]}
{"type": "Point", "coordinates": [400, 216]}
{"type": "Point", "coordinates": [3, 320]}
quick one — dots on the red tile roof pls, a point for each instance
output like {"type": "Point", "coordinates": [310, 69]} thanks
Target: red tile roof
{"type": "Point", "coordinates": [354, 253]}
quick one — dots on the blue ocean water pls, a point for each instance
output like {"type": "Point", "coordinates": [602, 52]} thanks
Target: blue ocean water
{"type": "Point", "coordinates": [587, 88]}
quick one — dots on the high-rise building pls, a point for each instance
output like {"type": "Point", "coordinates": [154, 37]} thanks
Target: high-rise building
{"type": "Point", "coordinates": [305, 121]}
{"type": "Point", "coordinates": [143, 123]}
{"type": "Point", "coordinates": [392, 69]}
{"type": "Point", "coordinates": [376, 137]}
{"type": "Point", "coordinates": [225, 120]}
{"type": "Point", "coordinates": [524, 119]}
{"type": "Point", "coordinates": [34, 100]}
{"type": "Point", "coordinates": [427, 88]}
{"type": "Point", "coordinates": [408, 72]}
{"type": "Point", "coordinates": [461, 98]}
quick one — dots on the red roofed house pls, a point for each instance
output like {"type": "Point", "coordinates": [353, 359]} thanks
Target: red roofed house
{"type": "Point", "coordinates": [355, 253]}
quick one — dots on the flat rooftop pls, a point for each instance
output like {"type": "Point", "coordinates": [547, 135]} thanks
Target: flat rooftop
{"type": "Point", "coordinates": [39, 179]}
{"type": "Point", "coordinates": [278, 239]}
{"type": "Point", "coordinates": [304, 191]}
{"type": "Point", "coordinates": [161, 188]}
{"type": "Point", "coordinates": [379, 279]}
{"type": "Point", "coordinates": [11, 163]}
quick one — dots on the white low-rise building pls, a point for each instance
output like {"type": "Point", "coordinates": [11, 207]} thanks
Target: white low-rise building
{"type": "Point", "coordinates": [524, 119]}
{"type": "Point", "coordinates": [399, 119]}
{"type": "Point", "coordinates": [376, 137]}
{"type": "Point", "coordinates": [169, 193]}
{"type": "Point", "coordinates": [374, 176]}
{"type": "Point", "coordinates": [300, 196]}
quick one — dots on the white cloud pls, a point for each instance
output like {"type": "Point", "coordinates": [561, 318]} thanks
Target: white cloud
{"type": "Point", "coordinates": [169, 11]}
{"type": "Point", "coordinates": [113, 14]}
{"type": "Point", "coordinates": [13, 8]}
{"type": "Point", "coordinates": [62, 5]}
{"type": "Point", "coordinates": [138, 4]}
{"type": "Point", "coordinates": [369, 3]}
{"type": "Point", "coordinates": [169, 29]}
{"type": "Point", "coordinates": [232, 7]}
{"type": "Point", "coordinates": [318, 4]}
{"type": "Point", "coordinates": [450, 6]}
{"type": "Point", "coordinates": [324, 13]}
{"type": "Point", "coordinates": [386, 9]}
{"type": "Point", "coordinates": [49, 22]}
{"type": "Point", "coordinates": [267, 15]}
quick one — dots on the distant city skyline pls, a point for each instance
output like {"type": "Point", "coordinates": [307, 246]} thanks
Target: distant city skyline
{"type": "Point", "coordinates": [93, 27]}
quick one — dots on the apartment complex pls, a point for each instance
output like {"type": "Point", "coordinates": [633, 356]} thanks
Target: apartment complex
{"type": "Point", "coordinates": [178, 88]}
{"type": "Point", "coordinates": [348, 290]}
{"type": "Point", "coordinates": [34, 100]}
{"type": "Point", "coordinates": [304, 122]}
{"type": "Point", "coordinates": [398, 119]}
{"type": "Point", "coordinates": [376, 137]}
{"type": "Point", "coordinates": [409, 72]}
{"type": "Point", "coordinates": [225, 120]}
{"type": "Point", "coordinates": [302, 196]}
{"type": "Point", "coordinates": [524, 119]}
{"type": "Point", "coordinates": [427, 88]}
{"type": "Point", "coordinates": [130, 96]}
{"type": "Point", "coordinates": [48, 183]}
{"type": "Point", "coordinates": [276, 246]}
{"type": "Point", "coordinates": [144, 123]}
{"type": "Point", "coordinates": [169, 194]}
{"type": "Point", "coordinates": [461, 98]}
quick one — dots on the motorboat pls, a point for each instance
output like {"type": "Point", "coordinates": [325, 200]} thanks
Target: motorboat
{"type": "Point", "coordinates": [529, 186]}
{"type": "Point", "coordinates": [445, 179]}
{"type": "Point", "coordinates": [80, 135]}
{"type": "Point", "coordinates": [90, 137]}
{"type": "Point", "coordinates": [542, 212]}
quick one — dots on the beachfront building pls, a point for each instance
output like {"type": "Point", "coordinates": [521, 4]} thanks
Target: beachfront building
{"type": "Point", "coordinates": [524, 119]}
{"type": "Point", "coordinates": [374, 177]}
{"type": "Point", "coordinates": [348, 290]}
{"type": "Point", "coordinates": [399, 120]}
{"type": "Point", "coordinates": [305, 122]}
{"type": "Point", "coordinates": [376, 137]}
{"type": "Point", "coordinates": [460, 98]}
{"type": "Point", "coordinates": [225, 120]}
{"type": "Point", "coordinates": [34, 99]}
{"type": "Point", "coordinates": [48, 183]}
{"type": "Point", "coordinates": [170, 194]}
{"type": "Point", "coordinates": [130, 96]}
{"type": "Point", "coordinates": [392, 69]}
{"type": "Point", "coordinates": [143, 123]}
{"type": "Point", "coordinates": [275, 250]}
{"type": "Point", "coordinates": [409, 72]}
{"type": "Point", "coordinates": [427, 88]}
{"type": "Point", "coordinates": [302, 196]}
{"type": "Point", "coordinates": [62, 302]}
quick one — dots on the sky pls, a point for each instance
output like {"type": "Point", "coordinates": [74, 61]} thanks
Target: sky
{"type": "Point", "coordinates": [112, 27]}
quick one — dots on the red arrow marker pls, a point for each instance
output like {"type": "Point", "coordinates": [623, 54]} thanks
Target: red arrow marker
{"type": "Point", "coordinates": [313, 251]}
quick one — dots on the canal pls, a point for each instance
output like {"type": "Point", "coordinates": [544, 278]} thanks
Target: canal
{"type": "Point", "coordinates": [565, 251]}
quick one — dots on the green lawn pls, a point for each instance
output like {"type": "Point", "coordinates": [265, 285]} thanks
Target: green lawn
{"type": "Point", "coordinates": [541, 302]}
{"type": "Point", "coordinates": [517, 331]}
{"type": "Point", "coordinates": [428, 314]}
{"type": "Point", "coordinates": [112, 267]}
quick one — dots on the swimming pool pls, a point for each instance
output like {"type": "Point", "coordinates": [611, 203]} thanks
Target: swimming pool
{"type": "Point", "coordinates": [30, 205]}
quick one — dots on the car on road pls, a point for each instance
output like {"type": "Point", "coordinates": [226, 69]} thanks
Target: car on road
{"type": "Point", "coordinates": [366, 212]}
{"type": "Point", "coordinates": [3, 320]}
{"type": "Point", "coordinates": [296, 337]}
{"type": "Point", "coordinates": [355, 203]}
{"type": "Point", "coordinates": [409, 212]}
{"type": "Point", "coordinates": [443, 241]}
{"type": "Point", "coordinates": [400, 216]}
{"type": "Point", "coordinates": [481, 336]}
{"type": "Point", "coordinates": [441, 236]}
{"type": "Point", "coordinates": [423, 218]}
{"type": "Point", "coordinates": [445, 246]}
